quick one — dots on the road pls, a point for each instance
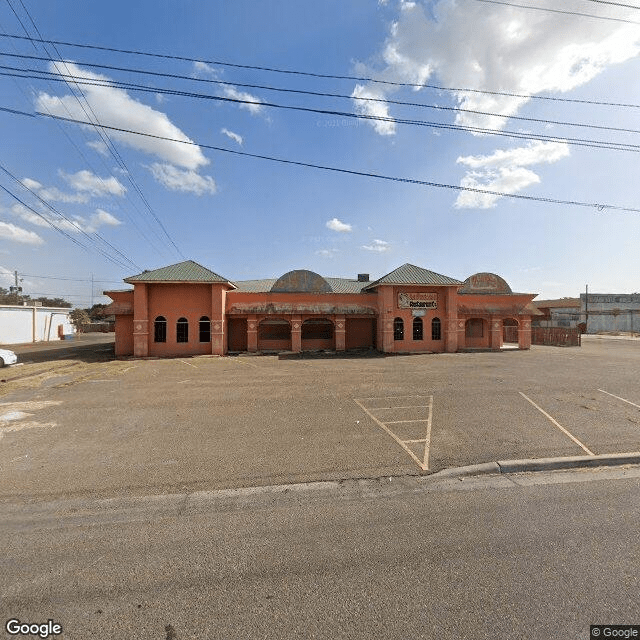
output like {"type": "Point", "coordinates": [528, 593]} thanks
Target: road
{"type": "Point", "coordinates": [538, 556]}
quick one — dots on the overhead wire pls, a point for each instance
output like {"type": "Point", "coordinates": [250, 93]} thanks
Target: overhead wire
{"type": "Point", "coordinates": [310, 74]}
{"type": "Point", "coordinates": [94, 123]}
{"type": "Point", "coordinates": [549, 10]}
{"type": "Point", "coordinates": [50, 75]}
{"type": "Point", "coordinates": [583, 142]}
{"type": "Point", "coordinates": [600, 206]}
{"type": "Point", "coordinates": [78, 149]}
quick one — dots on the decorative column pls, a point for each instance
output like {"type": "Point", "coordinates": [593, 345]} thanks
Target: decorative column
{"type": "Point", "coordinates": [524, 332]}
{"type": "Point", "coordinates": [451, 324]}
{"type": "Point", "coordinates": [495, 341]}
{"type": "Point", "coordinates": [218, 299]}
{"type": "Point", "coordinates": [296, 334]}
{"type": "Point", "coordinates": [387, 314]}
{"type": "Point", "coordinates": [252, 334]}
{"type": "Point", "coordinates": [140, 320]}
{"type": "Point", "coordinates": [340, 333]}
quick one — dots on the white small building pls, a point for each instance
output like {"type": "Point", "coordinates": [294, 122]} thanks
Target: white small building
{"type": "Point", "coordinates": [21, 323]}
{"type": "Point", "coordinates": [611, 312]}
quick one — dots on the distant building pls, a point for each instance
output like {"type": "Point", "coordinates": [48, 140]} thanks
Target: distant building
{"type": "Point", "coordinates": [187, 309]}
{"type": "Point", "coordinates": [610, 312]}
{"type": "Point", "coordinates": [564, 312]}
{"type": "Point", "coordinates": [21, 323]}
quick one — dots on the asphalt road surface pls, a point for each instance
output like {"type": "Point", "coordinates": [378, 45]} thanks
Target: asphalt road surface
{"type": "Point", "coordinates": [535, 557]}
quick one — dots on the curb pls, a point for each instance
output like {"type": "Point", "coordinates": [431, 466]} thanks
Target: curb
{"type": "Point", "coordinates": [541, 464]}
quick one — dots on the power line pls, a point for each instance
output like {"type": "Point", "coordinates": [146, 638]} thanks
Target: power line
{"type": "Point", "coordinates": [70, 222]}
{"type": "Point", "coordinates": [77, 148]}
{"type": "Point", "coordinates": [49, 75]}
{"type": "Point", "coordinates": [615, 4]}
{"type": "Point", "coordinates": [548, 200]}
{"type": "Point", "coordinates": [547, 9]}
{"type": "Point", "coordinates": [95, 123]}
{"type": "Point", "coordinates": [326, 76]}
{"type": "Point", "coordinates": [31, 275]}
{"type": "Point", "coordinates": [582, 142]}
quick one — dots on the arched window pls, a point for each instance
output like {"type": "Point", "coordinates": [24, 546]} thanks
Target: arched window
{"type": "Point", "coordinates": [160, 329]}
{"type": "Point", "coordinates": [417, 329]}
{"type": "Point", "coordinates": [436, 329]}
{"type": "Point", "coordinates": [205, 329]}
{"type": "Point", "coordinates": [182, 330]}
{"type": "Point", "coordinates": [398, 329]}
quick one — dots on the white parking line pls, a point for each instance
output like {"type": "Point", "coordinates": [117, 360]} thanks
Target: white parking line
{"type": "Point", "coordinates": [424, 463]}
{"type": "Point", "coordinates": [557, 424]}
{"type": "Point", "coordinates": [619, 398]}
{"type": "Point", "coordinates": [409, 406]}
{"type": "Point", "coordinates": [191, 365]}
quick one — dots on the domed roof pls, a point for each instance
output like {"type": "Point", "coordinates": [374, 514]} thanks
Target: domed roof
{"type": "Point", "coordinates": [485, 283]}
{"type": "Point", "coordinates": [301, 280]}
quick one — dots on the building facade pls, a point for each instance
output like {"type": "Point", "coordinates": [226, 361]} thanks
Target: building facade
{"type": "Point", "coordinates": [564, 312]}
{"type": "Point", "coordinates": [186, 309]}
{"type": "Point", "coordinates": [610, 312]}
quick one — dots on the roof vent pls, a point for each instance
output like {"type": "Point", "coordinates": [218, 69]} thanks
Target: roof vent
{"type": "Point", "coordinates": [363, 277]}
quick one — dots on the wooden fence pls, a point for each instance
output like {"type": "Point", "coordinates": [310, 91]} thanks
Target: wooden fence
{"type": "Point", "coordinates": [556, 336]}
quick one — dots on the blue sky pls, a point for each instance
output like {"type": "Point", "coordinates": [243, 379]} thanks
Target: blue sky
{"type": "Point", "coordinates": [247, 218]}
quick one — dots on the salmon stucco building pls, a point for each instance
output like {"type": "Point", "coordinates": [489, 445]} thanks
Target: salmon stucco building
{"type": "Point", "coordinates": [186, 309]}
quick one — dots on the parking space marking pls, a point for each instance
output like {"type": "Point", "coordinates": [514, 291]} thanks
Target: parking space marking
{"type": "Point", "coordinates": [191, 365]}
{"type": "Point", "coordinates": [249, 364]}
{"type": "Point", "coordinates": [410, 406]}
{"type": "Point", "coordinates": [424, 463]}
{"type": "Point", "coordinates": [557, 424]}
{"type": "Point", "coordinates": [619, 398]}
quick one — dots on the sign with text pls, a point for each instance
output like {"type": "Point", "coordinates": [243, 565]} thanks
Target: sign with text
{"type": "Point", "coordinates": [417, 300]}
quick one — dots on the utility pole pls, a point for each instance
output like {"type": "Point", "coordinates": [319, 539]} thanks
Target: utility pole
{"type": "Point", "coordinates": [15, 289]}
{"type": "Point", "coordinates": [91, 291]}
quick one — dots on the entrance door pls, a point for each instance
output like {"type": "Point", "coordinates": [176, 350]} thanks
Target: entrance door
{"type": "Point", "coordinates": [237, 330]}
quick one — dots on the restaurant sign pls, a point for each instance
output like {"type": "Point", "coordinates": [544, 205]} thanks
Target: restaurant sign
{"type": "Point", "coordinates": [417, 300]}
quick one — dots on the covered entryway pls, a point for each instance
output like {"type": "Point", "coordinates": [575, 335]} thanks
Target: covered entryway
{"type": "Point", "coordinates": [360, 333]}
{"type": "Point", "coordinates": [510, 331]}
{"type": "Point", "coordinates": [237, 334]}
{"type": "Point", "coordinates": [476, 335]}
{"type": "Point", "coordinates": [318, 334]}
{"type": "Point", "coordinates": [274, 335]}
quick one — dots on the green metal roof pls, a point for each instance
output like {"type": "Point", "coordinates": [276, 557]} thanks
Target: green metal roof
{"type": "Point", "coordinates": [188, 271]}
{"type": "Point", "coordinates": [338, 285]}
{"type": "Point", "coordinates": [410, 274]}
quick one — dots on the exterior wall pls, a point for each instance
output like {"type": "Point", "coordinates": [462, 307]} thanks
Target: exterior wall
{"type": "Point", "coordinates": [124, 336]}
{"type": "Point", "coordinates": [360, 333]}
{"type": "Point", "coordinates": [611, 312]}
{"type": "Point", "coordinates": [174, 301]}
{"type": "Point", "coordinates": [20, 324]}
{"type": "Point", "coordinates": [559, 317]}
{"type": "Point", "coordinates": [390, 310]}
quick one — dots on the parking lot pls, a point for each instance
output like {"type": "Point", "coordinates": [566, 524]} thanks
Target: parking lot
{"type": "Point", "coordinates": [128, 427]}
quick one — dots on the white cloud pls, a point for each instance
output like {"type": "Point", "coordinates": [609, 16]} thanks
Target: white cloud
{"type": "Point", "coordinates": [326, 253]}
{"type": "Point", "coordinates": [204, 69]}
{"type": "Point", "coordinates": [53, 194]}
{"type": "Point", "coordinates": [116, 108]}
{"type": "Point", "coordinates": [254, 105]}
{"type": "Point", "coordinates": [336, 225]}
{"type": "Point", "coordinates": [375, 109]}
{"type": "Point", "coordinates": [12, 233]}
{"type": "Point", "coordinates": [99, 146]}
{"type": "Point", "coordinates": [87, 182]}
{"type": "Point", "coordinates": [73, 224]}
{"type": "Point", "coordinates": [182, 180]}
{"type": "Point", "coordinates": [504, 171]}
{"type": "Point", "coordinates": [509, 49]}
{"type": "Point", "coordinates": [234, 136]}
{"type": "Point", "coordinates": [377, 245]}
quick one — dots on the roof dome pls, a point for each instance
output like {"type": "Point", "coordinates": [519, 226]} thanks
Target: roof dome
{"type": "Point", "coordinates": [301, 280]}
{"type": "Point", "coordinates": [485, 283]}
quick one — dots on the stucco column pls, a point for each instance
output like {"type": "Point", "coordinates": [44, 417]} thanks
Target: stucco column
{"type": "Point", "coordinates": [340, 333]}
{"type": "Point", "coordinates": [451, 324]}
{"type": "Point", "coordinates": [386, 315]}
{"type": "Point", "coordinates": [495, 336]}
{"type": "Point", "coordinates": [296, 334]}
{"type": "Point", "coordinates": [252, 334]}
{"type": "Point", "coordinates": [140, 320]}
{"type": "Point", "coordinates": [218, 335]}
{"type": "Point", "coordinates": [524, 332]}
